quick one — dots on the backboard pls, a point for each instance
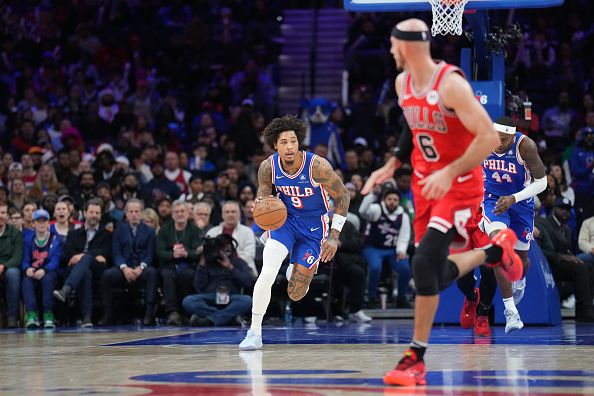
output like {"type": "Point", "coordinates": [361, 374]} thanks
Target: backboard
{"type": "Point", "coordinates": [420, 5]}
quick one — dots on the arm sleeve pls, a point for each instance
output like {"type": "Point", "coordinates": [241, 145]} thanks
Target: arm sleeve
{"type": "Point", "coordinates": [164, 254]}
{"type": "Point", "coordinates": [118, 257]}
{"type": "Point", "coordinates": [26, 262]}
{"type": "Point", "coordinates": [105, 249]}
{"type": "Point", "coordinates": [68, 251]}
{"type": "Point", "coordinates": [405, 144]}
{"type": "Point", "coordinates": [369, 209]}
{"type": "Point", "coordinates": [534, 188]}
{"type": "Point", "coordinates": [149, 256]}
{"type": "Point", "coordinates": [55, 254]}
{"type": "Point", "coordinates": [17, 255]}
{"type": "Point", "coordinates": [200, 278]}
{"type": "Point", "coordinates": [584, 238]}
{"type": "Point", "coordinates": [196, 240]}
{"type": "Point", "coordinates": [404, 235]}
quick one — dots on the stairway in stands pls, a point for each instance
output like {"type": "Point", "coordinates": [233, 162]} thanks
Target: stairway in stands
{"type": "Point", "coordinates": [298, 28]}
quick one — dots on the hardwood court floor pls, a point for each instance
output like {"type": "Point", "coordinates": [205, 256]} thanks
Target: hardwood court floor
{"type": "Point", "coordinates": [346, 359]}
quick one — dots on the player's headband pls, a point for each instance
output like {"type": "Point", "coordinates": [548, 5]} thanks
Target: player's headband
{"type": "Point", "coordinates": [422, 35]}
{"type": "Point", "coordinates": [510, 130]}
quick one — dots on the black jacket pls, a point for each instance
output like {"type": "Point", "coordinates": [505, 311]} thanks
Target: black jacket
{"type": "Point", "coordinates": [210, 276]}
{"type": "Point", "coordinates": [557, 239]}
{"type": "Point", "coordinates": [76, 240]}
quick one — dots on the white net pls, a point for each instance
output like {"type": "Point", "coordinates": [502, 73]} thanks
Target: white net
{"type": "Point", "coordinates": [447, 16]}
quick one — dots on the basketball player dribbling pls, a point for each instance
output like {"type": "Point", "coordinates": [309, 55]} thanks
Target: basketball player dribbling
{"type": "Point", "coordinates": [304, 182]}
{"type": "Point", "coordinates": [450, 135]}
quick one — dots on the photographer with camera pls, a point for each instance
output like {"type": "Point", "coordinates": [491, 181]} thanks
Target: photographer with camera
{"type": "Point", "coordinates": [218, 280]}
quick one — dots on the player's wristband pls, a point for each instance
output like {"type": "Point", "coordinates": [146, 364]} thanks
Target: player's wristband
{"type": "Point", "coordinates": [338, 222]}
{"type": "Point", "coordinates": [534, 188]}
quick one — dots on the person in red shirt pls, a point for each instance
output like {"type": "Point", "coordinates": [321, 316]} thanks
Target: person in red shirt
{"type": "Point", "coordinates": [449, 135]}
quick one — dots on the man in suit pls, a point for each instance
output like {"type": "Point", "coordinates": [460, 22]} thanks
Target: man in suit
{"type": "Point", "coordinates": [87, 252]}
{"type": "Point", "coordinates": [133, 257]}
{"type": "Point", "coordinates": [555, 242]}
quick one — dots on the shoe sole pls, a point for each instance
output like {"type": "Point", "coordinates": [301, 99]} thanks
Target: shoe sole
{"type": "Point", "coordinates": [58, 296]}
{"type": "Point", "coordinates": [514, 329]}
{"type": "Point", "coordinates": [250, 348]}
{"type": "Point", "coordinates": [404, 381]}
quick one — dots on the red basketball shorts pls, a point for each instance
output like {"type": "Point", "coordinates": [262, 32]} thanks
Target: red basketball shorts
{"type": "Point", "coordinates": [455, 210]}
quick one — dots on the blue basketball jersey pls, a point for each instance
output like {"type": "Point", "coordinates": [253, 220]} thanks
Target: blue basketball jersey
{"type": "Point", "coordinates": [506, 174]}
{"type": "Point", "coordinates": [302, 196]}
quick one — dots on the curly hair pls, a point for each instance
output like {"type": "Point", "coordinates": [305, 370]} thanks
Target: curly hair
{"type": "Point", "coordinates": [284, 124]}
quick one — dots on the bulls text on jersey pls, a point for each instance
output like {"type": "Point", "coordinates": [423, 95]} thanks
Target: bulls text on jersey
{"type": "Point", "coordinates": [435, 123]}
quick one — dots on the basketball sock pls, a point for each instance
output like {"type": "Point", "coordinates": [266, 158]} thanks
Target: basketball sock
{"type": "Point", "coordinates": [509, 304]}
{"type": "Point", "coordinates": [493, 253]}
{"type": "Point", "coordinates": [472, 296]}
{"type": "Point", "coordinates": [483, 310]}
{"type": "Point", "coordinates": [419, 347]}
{"type": "Point", "coordinates": [256, 326]}
{"type": "Point", "coordinates": [273, 256]}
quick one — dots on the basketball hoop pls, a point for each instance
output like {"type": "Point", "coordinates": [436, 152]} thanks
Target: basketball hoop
{"type": "Point", "coordinates": [447, 16]}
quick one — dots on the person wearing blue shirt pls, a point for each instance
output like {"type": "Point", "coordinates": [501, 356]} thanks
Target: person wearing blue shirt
{"type": "Point", "coordinates": [42, 251]}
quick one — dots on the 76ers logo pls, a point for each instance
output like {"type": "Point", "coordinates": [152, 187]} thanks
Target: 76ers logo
{"type": "Point", "coordinates": [308, 257]}
{"type": "Point", "coordinates": [483, 99]}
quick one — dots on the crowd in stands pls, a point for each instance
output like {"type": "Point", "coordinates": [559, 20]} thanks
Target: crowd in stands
{"type": "Point", "coordinates": [129, 137]}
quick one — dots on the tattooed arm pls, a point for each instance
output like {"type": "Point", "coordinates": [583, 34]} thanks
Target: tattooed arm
{"type": "Point", "coordinates": [264, 180]}
{"type": "Point", "coordinates": [323, 173]}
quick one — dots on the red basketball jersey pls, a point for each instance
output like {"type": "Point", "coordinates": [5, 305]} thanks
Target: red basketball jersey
{"type": "Point", "coordinates": [439, 137]}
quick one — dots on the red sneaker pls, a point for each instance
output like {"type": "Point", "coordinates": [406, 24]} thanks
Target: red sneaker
{"type": "Point", "coordinates": [468, 312]}
{"type": "Point", "coordinates": [511, 263]}
{"type": "Point", "coordinates": [481, 326]}
{"type": "Point", "coordinates": [409, 371]}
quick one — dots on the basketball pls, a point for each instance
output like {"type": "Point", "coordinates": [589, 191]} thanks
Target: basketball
{"type": "Point", "coordinates": [270, 213]}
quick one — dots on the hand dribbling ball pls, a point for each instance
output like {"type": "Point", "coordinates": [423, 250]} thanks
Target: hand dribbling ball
{"type": "Point", "coordinates": [270, 213]}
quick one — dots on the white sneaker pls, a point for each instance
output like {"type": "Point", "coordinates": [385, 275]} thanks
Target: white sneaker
{"type": "Point", "coordinates": [512, 321]}
{"type": "Point", "coordinates": [569, 302]}
{"type": "Point", "coordinates": [518, 289]}
{"type": "Point", "coordinates": [251, 342]}
{"type": "Point", "coordinates": [359, 317]}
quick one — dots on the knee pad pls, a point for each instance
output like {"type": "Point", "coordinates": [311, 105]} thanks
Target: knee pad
{"type": "Point", "coordinates": [429, 260]}
{"type": "Point", "coordinates": [448, 274]}
{"type": "Point", "coordinates": [425, 274]}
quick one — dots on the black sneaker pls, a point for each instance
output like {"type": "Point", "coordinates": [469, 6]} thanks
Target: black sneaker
{"type": "Point", "coordinates": [62, 294]}
{"type": "Point", "coordinates": [197, 321]}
